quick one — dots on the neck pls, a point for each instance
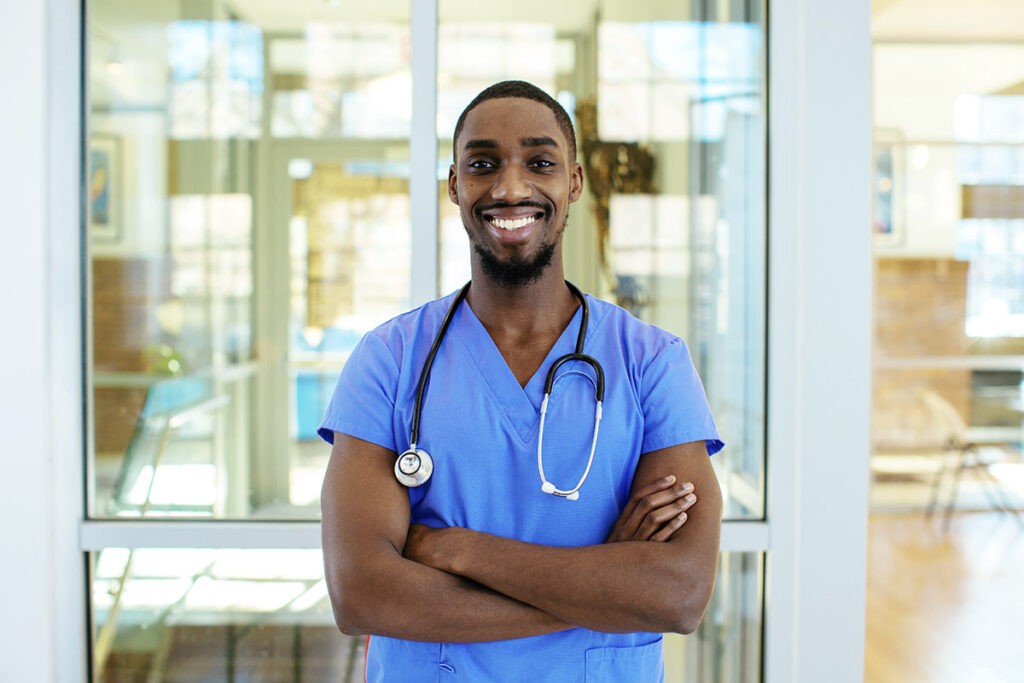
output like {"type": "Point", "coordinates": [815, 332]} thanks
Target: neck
{"type": "Point", "coordinates": [544, 305]}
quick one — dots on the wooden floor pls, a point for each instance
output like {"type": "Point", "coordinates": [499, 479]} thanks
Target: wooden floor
{"type": "Point", "coordinates": [945, 605]}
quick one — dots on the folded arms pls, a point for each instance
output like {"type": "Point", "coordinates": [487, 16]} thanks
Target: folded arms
{"type": "Point", "coordinates": [459, 585]}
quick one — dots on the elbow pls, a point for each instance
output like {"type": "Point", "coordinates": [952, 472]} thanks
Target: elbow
{"type": "Point", "coordinates": [687, 622]}
{"type": "Point", "coordinates": [350, 606]}
{"type": "Point", "coordinates": [687, 612]}
{"type": "Point", "coordinates": [347, 622]}
{"type": "Point", "coordinates": [686, 617]}
{"type": "Point", "coordinates": [346, 615]}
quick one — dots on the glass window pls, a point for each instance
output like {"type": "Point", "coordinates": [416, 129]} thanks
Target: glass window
{"type": "Point", "coordinates": [342, 80]}
{"type": "Point", "coordinates": [249, 221]}
{"type": "Point", "coordinates": [190, 614]}
{"type": "Point", "coordinates": [669, 113]}
{"type": "Point", "coordinates": [176, 614]}
{"type": "Point", "coordinates": [233, 262]}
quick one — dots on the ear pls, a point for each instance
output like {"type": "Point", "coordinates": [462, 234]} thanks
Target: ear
{"type": "Point", "coordinates": [575, 181]}
{"type": "Point", "coordinates": [453, 185]}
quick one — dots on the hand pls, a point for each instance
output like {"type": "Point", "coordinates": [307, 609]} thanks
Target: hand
{"type": "Point", "coordinates": [654, 513]}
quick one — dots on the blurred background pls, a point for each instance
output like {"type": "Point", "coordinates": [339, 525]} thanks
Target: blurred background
{"type": "Point", "coordinates": [947, 420]}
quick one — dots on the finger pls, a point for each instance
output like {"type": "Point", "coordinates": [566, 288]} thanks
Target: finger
{"type": "Point", "coordinates": [653, 487]}
{"type": "Point", "coordinates": [669, 529]}
{"type": "Point", "coordinates": [654, 520]}
{"type": "Point", "coordinates": [667, 512]}
{"type": "Point", "coordinates": [652, 502]}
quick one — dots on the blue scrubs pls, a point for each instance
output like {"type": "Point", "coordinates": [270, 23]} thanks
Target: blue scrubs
{"type": "Point", "coordinates": [480, 427]}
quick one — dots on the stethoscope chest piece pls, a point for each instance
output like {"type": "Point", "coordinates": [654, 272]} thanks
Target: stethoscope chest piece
{"type": "Point", "coordinates": [414, 467]}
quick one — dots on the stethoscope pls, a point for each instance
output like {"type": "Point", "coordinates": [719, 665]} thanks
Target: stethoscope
{"type": "Point", "coordinates": [415, 465]}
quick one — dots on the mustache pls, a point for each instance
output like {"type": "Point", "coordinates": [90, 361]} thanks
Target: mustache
{"type": "Point", "coordinates": [546, 208]}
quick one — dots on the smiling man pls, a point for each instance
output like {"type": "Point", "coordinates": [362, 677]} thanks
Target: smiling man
{"type": "Point", "coordinates": [512, 489]}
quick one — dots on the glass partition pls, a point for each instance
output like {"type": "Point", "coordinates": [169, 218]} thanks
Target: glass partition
{"type": "Point", "coordinates": [668, 106]}
{"type": "Point", "coordinates": [249, 220]}
{"type": "Point", "coordinates": [177, 614]}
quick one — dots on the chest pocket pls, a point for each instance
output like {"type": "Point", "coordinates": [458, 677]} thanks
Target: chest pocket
{"type": "Point", "coordinates": [642, 664]}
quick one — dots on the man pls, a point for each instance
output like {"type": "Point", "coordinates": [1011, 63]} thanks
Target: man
{"type": "Point", "coordinates": [479, 574]}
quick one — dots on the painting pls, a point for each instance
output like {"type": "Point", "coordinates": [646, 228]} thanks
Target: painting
{"type": "Point", "coordinates": [887, 205]}
{"type": "Point", "coordinates": [104, 189]}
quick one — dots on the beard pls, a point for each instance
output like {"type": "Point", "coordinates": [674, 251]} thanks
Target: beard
{"type": "Point", "coordinates": [517, 271]}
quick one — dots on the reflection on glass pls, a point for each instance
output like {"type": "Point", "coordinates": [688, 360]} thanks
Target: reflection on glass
{"type": "Point", "coordinates": [169, 615]}
{"type": "Point", "coordinates": [206, 201]}
{"type": "Point", "coordinates": [350, 252]}
{"type": "Point", "coordinates": [344, 80]}
{"type": "Point", "coordinates": [177, 614]}
{"type": "Point", "coordinates": [231, 254]}
{"type": "Point", "coordinates": [653, 74]}
{"type": "Point", "coordinates": [668, 105]}
{"type": "Point", "coordinates": [216, 79]}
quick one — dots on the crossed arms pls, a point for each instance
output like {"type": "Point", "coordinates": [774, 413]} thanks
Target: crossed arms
{"type": "Point", "coordinates": [388, 578]}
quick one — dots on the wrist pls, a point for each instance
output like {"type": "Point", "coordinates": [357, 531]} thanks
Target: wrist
{"type": "Point", "coordinates": [453, 549]}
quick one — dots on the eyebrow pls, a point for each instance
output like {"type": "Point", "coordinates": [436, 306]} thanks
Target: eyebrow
{"type": "Point", "coordinates": [481, 144]}
{"type": "Point", "coordinates": [542, 141]}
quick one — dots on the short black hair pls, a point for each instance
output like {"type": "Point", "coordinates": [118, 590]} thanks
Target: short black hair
{"type": "Point", "coordinates": [527, 91]}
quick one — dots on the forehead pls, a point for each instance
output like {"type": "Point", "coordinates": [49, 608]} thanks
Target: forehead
{"type": "Point", "coordinates": [507, 120]}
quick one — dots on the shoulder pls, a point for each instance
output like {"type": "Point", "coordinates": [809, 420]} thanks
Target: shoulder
{"type": "Point", "coordinates": [404, 333]}
{"type": "Point", "coordinates": [637, 339]}
{"type": "Point", "coordinates": [652, 358]}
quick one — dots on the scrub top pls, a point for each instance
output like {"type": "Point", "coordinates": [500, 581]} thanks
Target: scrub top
{"type": "Point", "coordinates": [480, 427]}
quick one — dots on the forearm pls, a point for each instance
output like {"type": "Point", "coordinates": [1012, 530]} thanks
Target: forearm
{"type": "Point", "coordinates": [374, 589]}
{"type": "Point", "coordinates": [615, 587]}
{"type": "Point", "coordinates": [396, 597]}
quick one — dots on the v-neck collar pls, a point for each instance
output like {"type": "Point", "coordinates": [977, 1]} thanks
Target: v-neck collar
{"type": "Point", "coordinates": [521, 405]}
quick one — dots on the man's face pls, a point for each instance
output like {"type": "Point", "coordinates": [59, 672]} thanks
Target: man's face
{"type": "Point", "coordinates": [513, 181]}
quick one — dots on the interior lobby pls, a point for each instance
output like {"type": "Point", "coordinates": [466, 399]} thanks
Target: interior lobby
{"type": "Point", "coordinates": [215, 200]}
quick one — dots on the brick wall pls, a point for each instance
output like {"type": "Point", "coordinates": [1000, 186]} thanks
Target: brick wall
{"type": "Point", "coordinates": [920, 307]}
{"type": "Point", "coordinates": [125, 293]}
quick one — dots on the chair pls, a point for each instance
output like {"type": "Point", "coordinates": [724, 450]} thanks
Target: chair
{"type": "Point", "coordinates": [954, 436]}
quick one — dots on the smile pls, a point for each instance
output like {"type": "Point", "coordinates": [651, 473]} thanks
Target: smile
{"type": "Point", "coordinates": [511, 223]}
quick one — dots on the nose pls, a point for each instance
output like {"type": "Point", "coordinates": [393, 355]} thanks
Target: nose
{"type": "Point", "coordinates": [511, 185]}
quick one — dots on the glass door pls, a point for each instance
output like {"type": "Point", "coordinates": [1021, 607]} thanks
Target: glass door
{"type": "Point", "coordinates": [349, 257]}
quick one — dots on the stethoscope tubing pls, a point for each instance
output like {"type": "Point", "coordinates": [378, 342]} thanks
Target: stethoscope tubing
{"type": "Point", "coordinates": [421, 387]}
{"type": "Point", "coordinates": [549, 381]}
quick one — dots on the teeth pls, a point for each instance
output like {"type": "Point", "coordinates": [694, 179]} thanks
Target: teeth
{"type": "Point", "coordinates": [515, 224]}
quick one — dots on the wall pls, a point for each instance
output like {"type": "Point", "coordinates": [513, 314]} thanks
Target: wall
{"type": "Point", "coordinates": [41, 568]}
{"type": "Point", "coordinates": [920, 308]}
{"type": "Point", "coordinates": [915, 89]}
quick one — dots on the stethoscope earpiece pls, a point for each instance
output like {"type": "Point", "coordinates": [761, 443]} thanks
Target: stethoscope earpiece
{"type": "Point", "coordinates": [414, 467]}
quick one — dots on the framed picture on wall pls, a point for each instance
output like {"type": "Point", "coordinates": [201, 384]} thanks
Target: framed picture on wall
{"type": "Point", "coordinates": [105, 188]}
{"type": "Point", "coordinates": [889, 187]}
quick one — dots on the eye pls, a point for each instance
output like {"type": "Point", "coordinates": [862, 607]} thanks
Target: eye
{"type": "Point", "coordinates": [479, 164]}
{"type": "Point", "coordinates": [542, 163]}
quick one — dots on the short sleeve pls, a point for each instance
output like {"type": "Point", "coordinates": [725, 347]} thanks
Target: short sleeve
{"type": "Point", "coordinates": [673, 402]}
{"type": "Point", "coordinates": [363, 403]}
